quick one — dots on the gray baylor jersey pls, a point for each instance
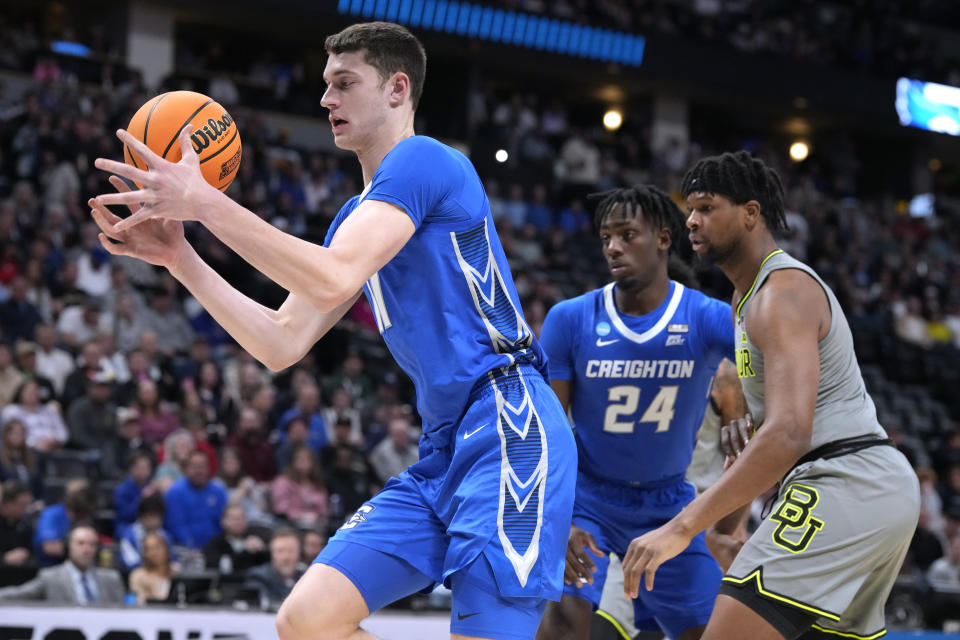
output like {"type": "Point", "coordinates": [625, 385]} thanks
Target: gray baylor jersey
{"type": "Point", "coordinates": [844, 410]}
{"type": "Point", "coordinates": [835, 540]}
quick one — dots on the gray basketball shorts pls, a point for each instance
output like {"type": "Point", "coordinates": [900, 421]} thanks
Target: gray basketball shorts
{"type": "Point", "coordinates": [827, 555]}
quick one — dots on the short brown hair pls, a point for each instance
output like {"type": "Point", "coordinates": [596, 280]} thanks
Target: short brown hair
{"type": "Point", "coordinates": [285, 532]}
{"type": "Point", "coordinates": [388, 48]}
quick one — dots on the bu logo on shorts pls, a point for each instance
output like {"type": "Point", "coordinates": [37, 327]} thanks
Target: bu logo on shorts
{"type": "Point", "coordinates": [794, 516]}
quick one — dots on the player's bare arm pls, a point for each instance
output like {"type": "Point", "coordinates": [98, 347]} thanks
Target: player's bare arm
{"type": "Point", "coordinates": [325, 277]}
{"type": "Point", "coordinates": [563, 389]}
{"type": "Point", "coordinates": [782, 323]}
{"type": "Point", "coordinates": [277, 338]}
{"type": "Point", "coordinates": [727, 535]}
{"type": "Point", "coordinates": [727, 392]}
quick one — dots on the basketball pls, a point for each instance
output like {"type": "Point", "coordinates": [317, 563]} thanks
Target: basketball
{"type": "Point", "coordinates": [215, 137]}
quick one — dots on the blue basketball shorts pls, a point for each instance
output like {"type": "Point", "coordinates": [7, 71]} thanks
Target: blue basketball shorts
{"type": "Point", "coordinates": [486, 510]}
{"type": "Point", "coordinates": [685, 587]}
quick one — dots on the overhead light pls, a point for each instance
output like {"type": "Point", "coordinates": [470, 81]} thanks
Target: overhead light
{"type": "Point", "coordinates": [612, 120]}
{"type": "Point", "coordinates": [501, 155]}
{"type": "Point", "coordinates": [799, 151]}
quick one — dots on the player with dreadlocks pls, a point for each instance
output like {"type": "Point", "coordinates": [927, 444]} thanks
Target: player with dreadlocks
{"type": "Point", "coordinates": [823, 562]}
{"type": "Point", "coordinates": [632, 362]}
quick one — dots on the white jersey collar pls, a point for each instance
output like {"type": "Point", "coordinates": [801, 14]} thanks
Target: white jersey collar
{"type": "Point", "coordinates": [628, 333]}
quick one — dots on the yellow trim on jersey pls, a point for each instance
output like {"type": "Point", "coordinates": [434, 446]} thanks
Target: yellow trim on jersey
{"type": "Point", "coordinates": [844, 634]}
{"type": "Point", "coordinates": [619, 627]}
{"type": "Point", "coordinates": [755, 576]}
{"type": "Point", "coordinates": [750, 290]}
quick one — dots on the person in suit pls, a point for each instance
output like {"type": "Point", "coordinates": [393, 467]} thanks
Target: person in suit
{"type": "Point", "coordinates": [76, 581]}
{"type": "Point", "coordinates": [276, 579]}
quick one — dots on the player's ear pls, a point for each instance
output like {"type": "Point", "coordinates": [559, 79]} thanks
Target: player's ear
{"type": "Point", "coordinates": [664, 240]}
{"type": "Point", "coordinates": [752, 214]}
{"type": "Point", "coordinates": [399, 88]}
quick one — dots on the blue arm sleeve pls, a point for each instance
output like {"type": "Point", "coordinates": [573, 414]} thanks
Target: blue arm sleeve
{"type": "Point", "coordinates": [556, 338]}
{"type": "Point", "coordinates": [417, 175]}
{"type": "Point", "coordinates": [716, 327]}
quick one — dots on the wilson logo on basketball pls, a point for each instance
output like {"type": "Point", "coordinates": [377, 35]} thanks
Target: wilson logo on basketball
{"type": "Point", "coordinates": [210, 132]}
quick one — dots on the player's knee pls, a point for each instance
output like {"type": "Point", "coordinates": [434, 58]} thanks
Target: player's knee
{"type": "Point", "coordinates": [324, 605]}
{"type": "Point", "coordinates": [295, 621]}
{"type": "Point", "coordinates": [285, 627]}
{"type": "Point", "coordinates": [286, 623]}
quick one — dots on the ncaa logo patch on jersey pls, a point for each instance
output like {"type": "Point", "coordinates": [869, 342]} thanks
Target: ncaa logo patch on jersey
{"type": "Point", "coordinates": [603, 329]}
{"type": "Point", "coordinates": [674, 340]}
{"type": "Point", "coordinates": [678, 328]}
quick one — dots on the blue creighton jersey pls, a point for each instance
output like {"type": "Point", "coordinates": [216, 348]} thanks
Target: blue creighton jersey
{"type": "Point", "coordinates": [445, 304]}
{"type": "Point", "coordinates": [639, 383]}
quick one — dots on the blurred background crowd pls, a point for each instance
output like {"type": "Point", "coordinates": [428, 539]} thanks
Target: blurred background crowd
{"type": "Point", "coordinates": [123, 405]}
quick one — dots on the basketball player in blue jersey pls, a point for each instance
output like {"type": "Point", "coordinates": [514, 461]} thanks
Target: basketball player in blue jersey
{"type": "Point", "coordinates": [487, 509]}
{"type": "Point", "coordinates": [633, 361]}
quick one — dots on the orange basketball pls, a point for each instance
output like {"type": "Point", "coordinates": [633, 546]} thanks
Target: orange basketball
{"type": "Point", "coordinates": [215, 137]}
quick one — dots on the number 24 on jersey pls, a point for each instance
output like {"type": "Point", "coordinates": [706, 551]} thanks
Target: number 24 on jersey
{"type": "Point", "coordinates": [624, 400]}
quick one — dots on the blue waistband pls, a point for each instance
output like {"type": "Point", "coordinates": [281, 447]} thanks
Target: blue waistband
{"type": "Point", "coordinates": [501, 377]}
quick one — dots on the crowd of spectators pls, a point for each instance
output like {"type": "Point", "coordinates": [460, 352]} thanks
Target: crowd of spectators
{"type": "Point", "coordinates": [883, 37]}
{"type": "Point", "coordinates": [880, 37]}
{"type": "Point", "coordinates": [122, 403]}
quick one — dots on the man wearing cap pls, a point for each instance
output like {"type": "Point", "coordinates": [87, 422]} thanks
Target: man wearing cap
{"type": "Point", "coordinates": [124, 442]}
{"type": "Point", "coordinates": [89, 362]}
{"type": "Point", "coordinates": [92, 417]}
